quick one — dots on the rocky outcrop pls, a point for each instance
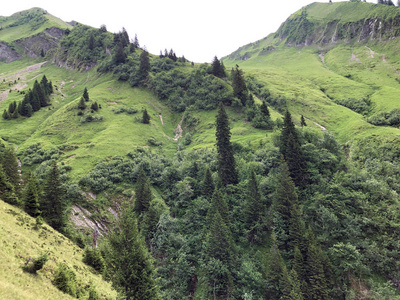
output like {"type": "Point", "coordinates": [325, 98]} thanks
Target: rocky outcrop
{"type": "Point", "coordinates": [7, 53]}
{"type": "Point", "coordinates": [39, 44]}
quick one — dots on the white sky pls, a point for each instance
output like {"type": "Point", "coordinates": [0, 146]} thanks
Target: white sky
{"type": "Point", "coordinates": [199, 30]}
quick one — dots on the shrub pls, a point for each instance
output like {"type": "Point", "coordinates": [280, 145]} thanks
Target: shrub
{"type": "Point", "coordinates": [93, 258]}
{"type": "Point", "coordinates": [65, 280]}
{"type": "Point", "coordinates": [36, 264]}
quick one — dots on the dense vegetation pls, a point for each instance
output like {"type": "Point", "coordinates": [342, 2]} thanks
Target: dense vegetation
{"type": "Point", "coordinates": [295, 215]}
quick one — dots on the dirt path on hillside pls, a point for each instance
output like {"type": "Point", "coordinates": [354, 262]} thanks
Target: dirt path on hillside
{"type": "Point", "coordinates": [19, 75]}
{"type": "Point", "coordinates": [320, 126]}
{"type": "Point", "coordinates": [178, 131]}
{"type": "Point", "coordinates": [161, 119]}
{"type": "Point", "coordinates": [322, 57]}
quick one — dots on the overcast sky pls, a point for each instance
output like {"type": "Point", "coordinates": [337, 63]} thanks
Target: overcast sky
{"type": "Point", "coordinates": [197, 29]}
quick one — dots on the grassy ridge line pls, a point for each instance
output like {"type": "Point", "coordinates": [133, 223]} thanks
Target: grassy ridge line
{"type": "Point", "coordinates": [20, 240]}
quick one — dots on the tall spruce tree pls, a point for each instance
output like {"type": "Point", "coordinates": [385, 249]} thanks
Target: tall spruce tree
{"type": "Point", "coordinates": [7, 192]}
{"type": "Point", "coordinates": [145, 117]}
{"type": "Point", "coordinates": [208, 184]}
{"type": "Point", "coordinates": [9, 160]}
{"type": "Point", "coordinates": [143, 194]}
{"type": "Point", "coordinates": [53, 206]}
{"type": "Point", "coordinates": [85, 95]}
{"type": "Point", "coordinates": [239, 85]}
{"type": "Point", "coordinates": [218, 204]}
{"type": "Point", "coordinates": [274, 271]}
{"type": "Point", "coordinates": [129, 264]}
{"type": "Point", "coordinates": [144, 66]}
{"type": "Point", "coordinates": [31, 196]}
{"type": "Point", "coordinates": [290, 149]}
{"type": "Point", "coordinates": [217, 69]}
{"type": "Point", "coordinates": [254, 209]}
{"type": "Point", "coordinates": [226, 161]}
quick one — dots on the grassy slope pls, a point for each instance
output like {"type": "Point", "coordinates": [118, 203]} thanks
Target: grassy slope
{"type": "Point", "coordinates": [20, 240]}
{"type": "Point", "coordinates": [299, 74]}
{"type": "Point", "coordinates": [9, 34]}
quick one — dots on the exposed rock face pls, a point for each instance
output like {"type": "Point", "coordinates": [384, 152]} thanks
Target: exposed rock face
{"type": "Point", "coordinates": [7, 54]}
{"type": "Point", "coordinates": [45, 41]}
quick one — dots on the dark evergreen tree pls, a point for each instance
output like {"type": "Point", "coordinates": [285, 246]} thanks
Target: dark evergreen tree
{"type": "Point", "coordinates": [290, 149]}
{"type": "Point", "coordinates": [274, 271]}
{"type": "Point", "coordinates": [303, 121]}
{"type": "Point", "coordinates": [120, 56]}
{"type": "Point", "coordinates": [317, 287]}
{"type": "Point", "coordinates": [145, 117]}
{"type": "Point", "coordinates": [296, 292]}
{"type": "Point", "coordinates": [143, 194]}
{"type": "Point", "coordinates": [12, 107]}
{"type": "Point", "coordinates": [6, 115]}
{"type": "Point", "coordinates": [264, 110]}
{"type": "Point", "coordinates": [31, 197]}
{"type": "Point", "coordinates": [39, 93]}
{"type": "Point", "coordinates": [217, 69]}
{"type": "Point", "coordinates": [34, 99]}
{"type": "Point", "coordinates": [9, 160]}
{"type": "Point", "coordinates": [219, 204]}
{"type": "Point", "coordinates": [129, 264]}
{"type": "Point", "coordinates": [298, 265]}
{"type": "Point", "coordinates": [28, 110]}
{"type": "Point", "coordinates": [15, 114]}
{"type": "Point", "coordinates": [136, 42]}
{"type": "Point", "coordinates": [226, 160]}
{"type": "Point", "coordinates": [91, 42]}
{"type": "Point", "coordinates": [82, 104]}
{"type": "Point", "coordinates": [239, 85]}
{"type": "Point", "coordinates": [208, 184]}
{"type": "Point", "coordinates": [52, 205]}
{"type": "Point", "coordinates": [7, 192]}
{"type": "Point", "coordinates": [94, 106]}
{"type": "Point", "coordinates": [85, 95]}
{"type": "Point", "coordinates": [46, 85]}
{"type": "Point", "coordinates": [254, 209]}
{"type": "Point", "coordinates": [144, 66]}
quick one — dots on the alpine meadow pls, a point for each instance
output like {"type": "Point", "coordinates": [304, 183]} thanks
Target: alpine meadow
{"type": "Point", "coordinates": [270, 173]}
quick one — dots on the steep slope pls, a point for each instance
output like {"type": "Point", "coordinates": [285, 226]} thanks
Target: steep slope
{"type": "Point", "coordinates": [20, 240]}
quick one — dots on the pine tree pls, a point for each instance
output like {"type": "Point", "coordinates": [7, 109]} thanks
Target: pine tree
{"type": "Point", "coordinates": [94, 106]}
{"type": "Point", "coordinates": [143, 194]}
{"type": "Point", "coordinates": [6, 115]}
{"type": "Point", "coordinates": [317, 287]}
{"type": "Point", "coordinates": [31, 197]}
{"type": "Point", "coordinates": [34, 99]}
{"type": "Point", "coordinates": [208, 184]}
{"type": "Point", "coordinates": [136, 42]}
{"type": "Point", "coordinates": [39, 93]}
{"type": "Point", "coordinates": [120, 56]}
{"type": "Point", "coordinates": [296, 292]}
{"type": "Point", "coordinates": [145, 117]}
{"type": "Point", "coordinates": [144, 66]}
{"type": "Point", "coordinates": [274, 271]}
{"type": "Point", "coordinates": [9, 160]}
{"type": "Point", "coordinates": [226, 160]}
{"type": "Point", "coordinates": [264, 110]}
{"type": "Point", "coordinates": [290, 149]}
{"type": "Point", "coordinates": [52, 204]}
{"type": "Point", "coordinates": [85, 95]}
{"type": "Point", "coordinates": [82, 104]}
{"type": "Point", "coordinates": [239, 85]}
{"type": "Point", "coordinates": [7, 192]}
{"type": "Point", "coordinates": [218, 204]}
{"type": "Point", "coordinates": [217, 69]}
{"type": "Point", "coordinates": [303, 121]}
{"type": "Point", "coordinates": [91, 42]}
{"type": "Point", "coordinates": [129, 263]}
{"type": "Point", "coordinates": [254, 209]}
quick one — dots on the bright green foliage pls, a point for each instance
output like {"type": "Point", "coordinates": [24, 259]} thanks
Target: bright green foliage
{"type": "Point", "coordinates": [218, 204]}
{"type": "Point", "coordinates": [31, 197]}
{"type": "Point", "coordinates": [129, 263]}
{"type": "Point", "coordinates": [52, 205]}
{"type": "Point", "coordinates": [145, 117]}
{"type": "Point", "coordinates": [65, 280]}
{"type": "Point", "coordinates": [239, 85]}
{"type": "Point", "coordinates": [254, 209]}
{"type": "Point", "coordinates": [226, 161]}
{"type": "Point", "coordinates": [208, 184]}
{"type": "Point", "coordinates": [85, 95]}
{"type": "Point", "coordinates": [295, 287]}
{"type": "Point", "coordinates": [143, 194]}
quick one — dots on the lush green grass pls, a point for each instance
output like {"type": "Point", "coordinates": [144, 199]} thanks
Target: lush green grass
{"type": "Point", "coordinates": [20, 240]}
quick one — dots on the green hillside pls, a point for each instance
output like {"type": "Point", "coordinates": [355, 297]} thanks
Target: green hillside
{"type": "Point", "coordinates": [274, 175]}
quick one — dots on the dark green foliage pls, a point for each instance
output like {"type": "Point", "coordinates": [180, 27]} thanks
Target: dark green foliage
{"type": "Point", "coordinates": [31, 196]}
{"type": "Point", "coordinates": [254, 210]}
{"type": "Point", "coordinates": [94, 106]}
{"type": "Point", "coordinates": [218, 68]}
{"type": "Point", "coordinates": [208, 184]}
{"type": "Point", "coordinates": [82, 104]}
{"type": "Point", "coordinates": [290, 149]}
{"type": "Point", "coordinates": [361, 106]}
{"type": "Point", "coordinates": [120, 56]}
{"type": "Point", "coordinates": [85, 95]}
{"type": "Point", "coordinates": [129, 264]}
{"type": "Point", "coordinates": [53, 206]}
{"type": "Point", "coordinates": [36, 264]}
{"type": "Point", "coordinates": [226, 161]}
{"type": "Point", "coordinates": [145, 117]}
{"type": "Point", "coordinates": [9, 161]}
{"type": "Point", "coordinates": [144, 66]}
{"type": "Point", "coordinates": [274, 271]}
{"type": "Point", "coordinates": [303, 121]}
{"type": "Point", "coordinates": [239, 85]}
{"type": "Point", "coordinates": [143, 194]}
{"type": "Point", "coordinates": [12, 107]}
{"type": "Point", "coordinates": [7, 191]}
{"type": "Point", "coordinates": [391, 118]}
{"type": "Point", "coordinates": [65, 280]}
{"type": "Point", "coordinates": [218, 204]}
{"type": "Point", "coordinates": [6, 115]}
{"type": "Point", "coordinates": [94, 258]}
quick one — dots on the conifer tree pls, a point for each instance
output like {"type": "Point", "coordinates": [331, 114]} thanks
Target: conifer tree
{"type": "Point", "coordinates": [303, 121]}
{"type": "Point", "coordinates": [31, 197]}
{"type": "Point", "coordinates": [52, 204]}
{"type": "Point", "coordinates": [6, 115]}
{"type": "Point", "coordinates": [91, 42]}
{"type": "Point", "coordinates": [144, 66]}
{"type": "Point", "coordinates": [9, 160]}
{"type": "Point", "coordinates": [264, 110]}
{"type": "Point", "coordinates": [129, 264]}
{"type": "Point", "coordinates": [218, 204]}
{"type": "Point", "coordinates": [39, 93]}
{"type": "Point", "coordinates": [254, 209]}
{"type": "Point", "coordinates": [239, 85]}
{"type": "Point", "coordinates": [82, 104]}
{"type": "Point", "coordinates": [85, 95]}
{"type": "Point", "coordinates": [95, 106]}
{"type": "Point", "coordinates": [208, 184]}
{"type": "Point", "coordinates": [217, 69]}
{"type": "Point", "coordinates": [7, 192]}
{"type": "Point", "coordinates": [296, 292]}
{"type": "Point", "coordinates": [298, 265]}
{"type": "Point", "coordinates": [136, 42]}
{"type": "Point", "coordinates": [120, 56]}
{"type": "Point", "coordinates": [226, 160]}
{"type": "Point", "coordinates": [34, 99]}
{"type": "Point", "coordinates": [290, 149]}
{"type": "Point", "coordinates": [145, 117]}
{"type": "Point", "coordinates": [143, 194]}
{"type": "Point", "coordinates": [274, 271]}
